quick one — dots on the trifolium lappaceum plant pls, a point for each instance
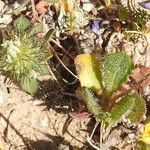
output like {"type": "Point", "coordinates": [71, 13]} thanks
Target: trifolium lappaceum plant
{"type": "Point", "coordinates": [23, 56]}
{"type": "Point", "coordinates": [103, 77]}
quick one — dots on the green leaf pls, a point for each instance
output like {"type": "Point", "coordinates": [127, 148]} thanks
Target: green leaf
{"type": "Point", "coordinates": [36, 29]}
{"type": "Point", "coordinates": [22, 23]}
{"type": "Point", "coordinates": [43, 70]}
{"type": "Point", "coordinates": [138, 112]}
{"type": "Point", "coordinates": [92, 103]}
{"type": "Point", "coordinates": [116, 68]}
{"type": "Point", "coordinates": [88, 69]}
{"type": "Point", "coordinates": [30, 85]}
{"type": "Point", "coordinates": [47, 36]}
{"type": "Point", "coordinates": [121, 109]}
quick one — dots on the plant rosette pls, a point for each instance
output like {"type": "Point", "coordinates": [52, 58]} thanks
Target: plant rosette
{"type": "Point", "coordinates": [20, 57]}
{"type": "Point", "coordinates": [23, 61]}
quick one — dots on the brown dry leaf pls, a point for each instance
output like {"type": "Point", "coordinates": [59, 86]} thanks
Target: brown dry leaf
{"type": "Point", "coordinates": [140, 73]}
{"type": "Point", "coordinates": [38, 11]}
{"type": "Point", "coordinates": [42, 7]}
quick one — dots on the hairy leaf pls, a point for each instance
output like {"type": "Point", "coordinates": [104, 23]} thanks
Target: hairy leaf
{"type": "Point", "coordinates": [22, 23]}
{"type": "Point", "coordinates": [116, 68]}
{"type": "Point", "coordinates": [121, 109]}
{"type": "Point", "coordinates": [92, 104]}
{"type": "Point", "coordinates": [139, 109]}
{"type": "Point", "coordinates": [88, 69]}
{"type": "Point", "coordinates": [30, 85]}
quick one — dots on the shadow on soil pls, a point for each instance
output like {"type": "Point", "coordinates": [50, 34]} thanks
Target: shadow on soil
{"type": "Point", "coordinates": [60, 95]}
{"type": "Point", "coordinates": [53, 142]}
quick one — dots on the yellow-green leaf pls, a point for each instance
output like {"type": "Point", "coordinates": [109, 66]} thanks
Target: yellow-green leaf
{"type": "Point", "coordinates": [121, 109]}
{"type": "Point", "coordinates": [138, 110]}
{"type": "Point", "coordinates": [92, 103]}
{"type": "Point", "coordinates": [88, 69]}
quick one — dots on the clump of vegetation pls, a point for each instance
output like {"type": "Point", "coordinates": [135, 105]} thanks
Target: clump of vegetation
{"type": "Point", "coordinates": [135, 19]}
{"type": "Point", "coordinates": [23, 57]}
{"type": "Point", "coordinates": [104, 77]}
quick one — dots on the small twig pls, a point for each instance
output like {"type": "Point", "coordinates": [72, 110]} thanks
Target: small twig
{"type": "Point", "coordinates": [51, 72]}
{"type": "Point", "coordinates": [97, 123]}
{"type": "Point", "coordinates": [52, 40]}
{"type": "Point", "coordinates": [94, 146]}
{"type": "Point", "coordinates": [54, 77]}
{"type": "Point", "coordinates": [35, 13]}
{"type": "Point", "coordinates": [55, 54]}
{"type": "Point", "coordinates": [90, 138]}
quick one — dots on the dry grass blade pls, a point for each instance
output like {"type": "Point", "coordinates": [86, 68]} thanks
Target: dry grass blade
{"type": "Point", "coordinates": [35, 13]}
{"type": "Point", "coordinates": [55, 54]}
{"type": "Point", "coordinates": [55, 42]}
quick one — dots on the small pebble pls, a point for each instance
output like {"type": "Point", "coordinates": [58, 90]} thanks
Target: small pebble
{"type": "Point", "coordinates": [131, 136]}
{"type": "Point", "coordinates": [88, 7]}
{"type": "Point", "coordinates": [146, 90]}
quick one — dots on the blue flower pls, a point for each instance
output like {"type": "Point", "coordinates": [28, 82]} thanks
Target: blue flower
{"type": "Point", "coordinates": [95, 26]}
{"type": "Point", "coordinates": [145, 4]}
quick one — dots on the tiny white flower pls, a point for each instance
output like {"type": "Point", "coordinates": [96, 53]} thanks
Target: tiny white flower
{"type": "Point", "coordinates": [12, 46]}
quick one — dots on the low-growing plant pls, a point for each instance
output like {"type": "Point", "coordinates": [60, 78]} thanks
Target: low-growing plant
{"type": "Point", "coordinates": [104, 77]}
{"type": "Point", "coordinates": [136, 22]}
{"type": "Point", "coordinates": [23, 56]}
{"type": "Point", "coordinates": [135, 19]}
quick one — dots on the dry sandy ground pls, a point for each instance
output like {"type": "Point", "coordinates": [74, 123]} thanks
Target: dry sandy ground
{"type": "Point", "coordinates": [26, 124]}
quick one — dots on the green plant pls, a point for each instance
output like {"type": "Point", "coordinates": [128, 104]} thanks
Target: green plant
{"type": "Point", "coordinates": [136, 19]}
{"type": "Point", "coordinates": [104, 77]}
{"type": "Point", "coordinates": [23, 56]}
